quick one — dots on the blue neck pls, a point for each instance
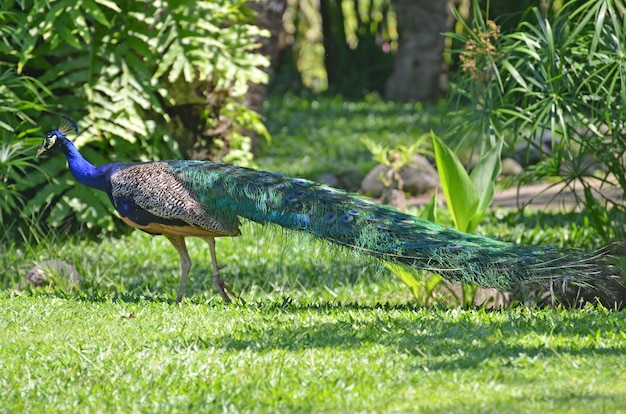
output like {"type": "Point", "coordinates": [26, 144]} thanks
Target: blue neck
{"type": "Point", "coordinates": [85, 172]}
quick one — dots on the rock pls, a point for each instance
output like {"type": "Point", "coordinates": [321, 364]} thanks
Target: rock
{"type": "Point", "coordinates": [329, 179]}
{"type": "Point", "coordinates": [511, 167]}
{"type": "Point", "coordinates": [56, 273]}
{"type": "Point", "coordinates": [397, 200]}
{"type": "Point", "coordinates": [418, 177]}
{"type": "Point", "coordinates": [539, 149]}
{"type": "Point", "coordinates": [348, 180]}
{"type": "Point", "coordinates": [371, 184]}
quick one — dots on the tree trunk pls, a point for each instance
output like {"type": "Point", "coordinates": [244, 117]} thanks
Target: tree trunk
{"type": "Point", "coordinates": [336, 50]}
{"type": "Point", "coordinates": [420, 73]}
{"type": "Point", "coordinates": [350, 70]}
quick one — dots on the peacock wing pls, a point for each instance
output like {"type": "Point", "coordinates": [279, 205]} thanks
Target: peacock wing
{"type": "Point", "coordinates": [149, 193]}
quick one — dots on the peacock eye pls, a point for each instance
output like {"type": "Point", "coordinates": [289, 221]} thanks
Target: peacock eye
{"type": "Point", "coordinates": [50, 140]}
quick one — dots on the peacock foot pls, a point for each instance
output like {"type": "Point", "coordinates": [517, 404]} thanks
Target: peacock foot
{"type": "Point", "coordinates": [223, 288]}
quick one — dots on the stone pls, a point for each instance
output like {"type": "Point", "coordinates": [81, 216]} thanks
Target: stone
{"type": "Point", "coordinates": [418, 177]}
{"type": "Point", "coordinates": [511, 167]}
{"type": "Point", "coordinates": [54, 273]}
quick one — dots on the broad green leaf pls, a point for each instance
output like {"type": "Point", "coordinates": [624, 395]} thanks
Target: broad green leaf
{"type": "Point", "coordinates": [485, 174]}
{"type": "Point", "coordinates": [457, 186]}
{"type": "Point", "coordinates": [408, 277]}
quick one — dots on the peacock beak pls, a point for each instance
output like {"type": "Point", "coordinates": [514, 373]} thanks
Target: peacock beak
{"type": "Point", "coordinates": [41, 150]}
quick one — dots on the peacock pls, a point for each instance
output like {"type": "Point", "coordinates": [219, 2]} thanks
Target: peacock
{"type": "Point", "coordinates": [190, 198]}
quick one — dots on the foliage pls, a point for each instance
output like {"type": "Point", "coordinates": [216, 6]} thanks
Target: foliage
{"type": "Point", "coordinates": [468, 197]}
{"type": "Point", "coordinates": [425, 287]}
{"type": "Point", "coordinates": [131, 72]}
{"type": "Point", "coordinates": [21, 97]}
{"type": "Point", "coordinates": [477, 90]}
{"type": "Point", "coordinates": [563, 73]}
{"type": "Point", "coordinates": [348, 46]}
{"type": "Point", "coordinates": [15, 164]}
{"type": "Point", "coordinates": [395, 159]}
{"type": "Point", "coordinates": [316, 135]}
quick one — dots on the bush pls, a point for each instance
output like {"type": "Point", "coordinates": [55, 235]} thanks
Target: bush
{"type": "Point", "coordinates": [564, 73]}
{"type": "Point", "coordinates": [19, 97]}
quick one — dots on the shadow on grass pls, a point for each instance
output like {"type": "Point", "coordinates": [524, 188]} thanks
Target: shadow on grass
{"type": "Point", "coordinates": [434, 339]}
{"type": "Point", "coordinates": [438, 343]}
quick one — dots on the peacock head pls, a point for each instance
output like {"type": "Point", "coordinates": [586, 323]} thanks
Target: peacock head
{"type": "Point", "coordinates": [53, 139]}
{"type": "Point", "coordinates": [49, 142]}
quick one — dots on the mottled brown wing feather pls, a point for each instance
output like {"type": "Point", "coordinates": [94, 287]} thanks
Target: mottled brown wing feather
{"type": "Point", "coordinates": [157, 189]}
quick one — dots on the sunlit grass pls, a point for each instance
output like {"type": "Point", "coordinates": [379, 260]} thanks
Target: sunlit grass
{"type": "Point", "coordinates": [76, 354]}
{"type": "Point", "coordinates": [315, 136]}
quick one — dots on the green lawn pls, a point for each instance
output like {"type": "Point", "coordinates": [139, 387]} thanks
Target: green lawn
{"type": "Point", "coordinates": [80, 355]}
{"type": "Point", "coordinates": [317, 329]}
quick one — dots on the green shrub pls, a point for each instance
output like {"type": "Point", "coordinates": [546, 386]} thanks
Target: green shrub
{"type": "Point", "coordinates": [20, 97]}
{"type": "Point", "coordinates": [563, 72]}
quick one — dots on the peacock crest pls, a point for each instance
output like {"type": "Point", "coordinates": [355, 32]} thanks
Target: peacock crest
{"type": "Point", "coordinates": [67, 125]}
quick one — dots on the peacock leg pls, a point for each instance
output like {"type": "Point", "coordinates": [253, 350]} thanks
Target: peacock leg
{"type": "Point", "coordinates": [185, 262]}
{"type": "Point", "coordinates": [218, 280]}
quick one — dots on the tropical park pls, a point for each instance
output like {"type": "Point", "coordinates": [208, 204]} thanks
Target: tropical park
{"type": "Point", "coordinates": [313, 206]}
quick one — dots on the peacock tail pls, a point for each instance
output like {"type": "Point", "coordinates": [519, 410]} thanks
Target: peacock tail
{"type": "Point", "coordinates": [229, 192]}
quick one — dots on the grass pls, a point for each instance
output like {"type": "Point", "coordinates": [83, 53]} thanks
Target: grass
{"type": "Point", "coordinates": [315, 136]}
{"type": "Point", "coordinates": [71, 354]}
{"type": "Point", "coordinates": [316, 329]}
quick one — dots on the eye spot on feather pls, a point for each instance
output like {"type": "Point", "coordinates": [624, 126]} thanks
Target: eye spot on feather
{"type": "Point", "coordinates": [302, 183]}
{"type": "Point", "coordinates": [331, 218]}
{"type": "Point", "coordinates": [353, 212]}
{"type": "Point", "coordinates": [347, 218]}
{"type": "Point", "coordinates": [303, 219]}
{"type": "Point", "coordinates": [267, 178]}
{"type": "Point", "coordinates": [300, 193]}
{"type": "Point", "coordinates": [291, 198]}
